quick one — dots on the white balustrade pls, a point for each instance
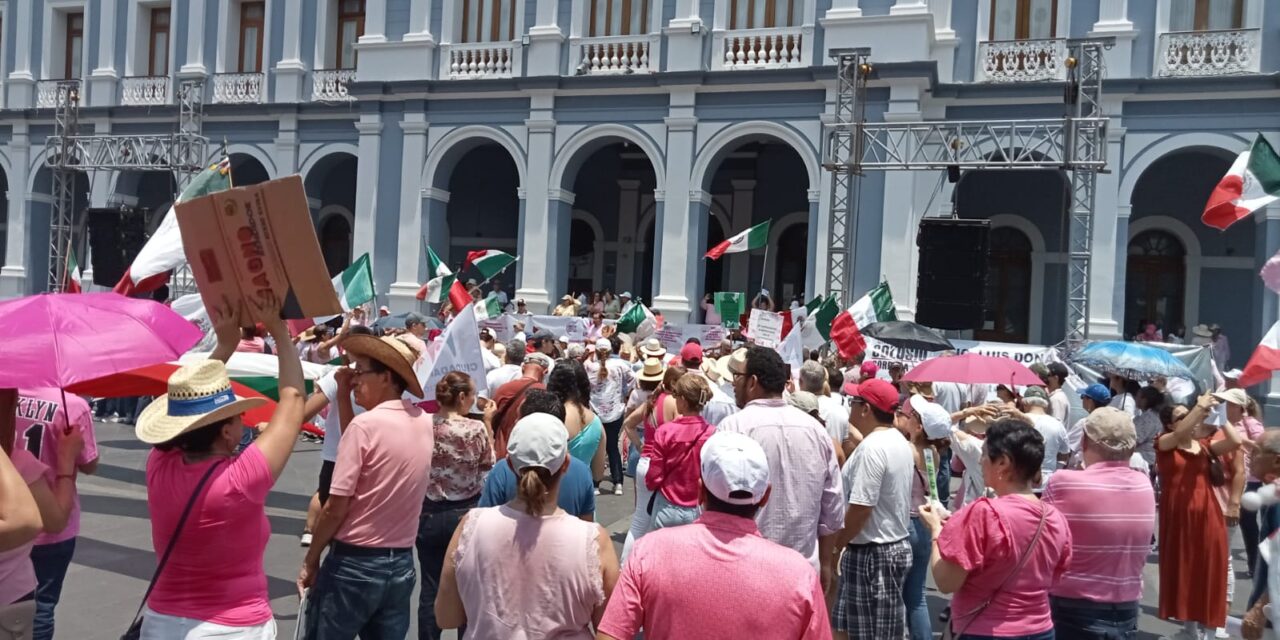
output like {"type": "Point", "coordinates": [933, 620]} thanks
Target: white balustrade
{"type": "Point", "coordinates": [47, 93]}
{"type": "Point", "coordinates": [618, 54]}
{"type": "Point", "coordinates": [144, 90]}
{"type": "Point", "coordinates": [759, 49]}
{"type": "Point", "coordinates": [330, 85]}
{"type": "Point", "coordinates": [1023, 60]}
{"type": "Point", "coordinates": [238, 88]}
{"type": "Point", "coordinates": [482, 60]}
{"type": "Point", "coordinates": [1208, 53]}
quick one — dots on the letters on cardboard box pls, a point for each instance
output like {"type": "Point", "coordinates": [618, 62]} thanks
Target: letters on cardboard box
{"type": "Point", "coordinates": [251, 246]}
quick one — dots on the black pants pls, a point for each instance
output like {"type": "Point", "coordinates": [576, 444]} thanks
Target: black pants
{"type": "Point", "coordinates": [435, 529]}
{"type": "Point", "coordinates": [612, 433]}
{"type": "Point", "coordinates": [1249, 529]}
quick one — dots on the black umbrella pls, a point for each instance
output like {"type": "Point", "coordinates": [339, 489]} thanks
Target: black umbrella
{"type": "Point", "coordinates": [907, 335]}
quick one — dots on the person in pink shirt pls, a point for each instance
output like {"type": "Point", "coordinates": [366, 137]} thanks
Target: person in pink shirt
{"type": "Point", "coordinates": [379, 482]}
{"type": "Point", "coordinates": [718, 577]}
{"type": "Point", "coordinates": [675, 457]}
{"type": "Point", "coordinates": [213, 583]}
{"type": "Point", "coordinates": [40, 420]}
{"type": "Point", "coordinates": [1000, 557]}
{"type": "Point", "coordinates": [1111, 510]}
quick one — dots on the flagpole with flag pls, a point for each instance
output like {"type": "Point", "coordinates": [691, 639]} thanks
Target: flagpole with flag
{"type": "Point", "coordinates": [71, 274]}
{"type": "Point", "coordinates": [1252, 182]}
{"type": "Point", "coordinates": [753, 238]}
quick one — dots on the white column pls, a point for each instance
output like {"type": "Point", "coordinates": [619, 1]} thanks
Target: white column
{"type": "Point", "coordinates": [676, 229]}
{"type": "Point", "coordinates": [1104, 261]}
{"type": "Point", "coordinates": [102, 81]}
{"type": "Point", "coordinates": [628, 234]}
{"type": "Point", "coordinates": [194, 65]}
{"type": "Point", "coordinates": [739, 266]}
{"type": "Point", "coordinates": [901, 214]}
{"type": "Point", "coordinates": [420, 23]}
{"type": "Point", "coordinates": [545, 39]}
{"type": "Point", "coordinates": [370, 128]}
{"type": "Point", "coordinates": [538, 226]}
{"type": "Point", "coordinates": [286, 155]}
{"type": "Point", "coordinates": [375, 22]}
{"type": "Point", "coordinates": [22, 92]}
{"type": "Point", "coordinates": [409, 239]}
{"type": "Point", "coordinates": [902, 7]}
{"type": "Point", "coordinates": [1113, 21]}
{"type": "Point", "coordinates": [291, 71]}
{"type": "Point", "coordinates": [684, 41]}
{"type": "Point", "coordinates": [13, 275]}
{"type": "Point", "coordinates": [844, 9]}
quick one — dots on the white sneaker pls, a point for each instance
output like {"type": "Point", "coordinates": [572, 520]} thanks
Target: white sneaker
{"type": "Point", "coordinates": [306, 540]}
{"type": "Point", "coordinates": [596, 491]}
{"type": "Point", "coordinates": [1221, 632]}
{"type": "Point", "coordinates": [617, 490]}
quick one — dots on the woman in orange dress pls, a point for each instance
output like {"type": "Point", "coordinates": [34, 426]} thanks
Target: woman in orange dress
{"type": "Point", "coordinates": [1193, 532]}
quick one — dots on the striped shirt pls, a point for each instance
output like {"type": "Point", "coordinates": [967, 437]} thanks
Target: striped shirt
{"type": "Point", "coordinates": [1111, 511]}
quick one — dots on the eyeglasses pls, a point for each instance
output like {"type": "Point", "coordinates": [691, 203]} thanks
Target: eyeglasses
{"type": "Point", "coordinates": [357, 371]}
{"type": "Point", "coordinates": [737, 374]}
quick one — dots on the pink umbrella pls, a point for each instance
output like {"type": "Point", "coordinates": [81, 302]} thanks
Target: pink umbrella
{"type": "Point", "coordinates": [55, 340]}
{"type": "Point", "coordinates": [972, 368]}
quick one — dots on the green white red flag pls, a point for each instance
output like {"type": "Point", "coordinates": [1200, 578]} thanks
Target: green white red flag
{"type": "Point", "coordinates": [1265, 359]}
{"type": "Point", "coordinates": [74, 283]}
{"type": "Point", "coordinates": [489, 262]}
{"type": "Point", "coordinates": [1252, 182]}
{"type": "Point", "coordinates": [753, 238]}
{"type": "Point", "coordinates": [441, 280]}
{"type": "Point", "coordinates": [846, 327]}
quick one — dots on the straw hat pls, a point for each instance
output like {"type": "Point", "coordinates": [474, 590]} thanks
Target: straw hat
{"type": "Point", "coordinates": [392, 352]}
{"type": "Point", "coordinates": [199, 395]}
{"type": "Point", "coordinates": [653, 370]}
{"type": "Point", "coordinates": [652, 348]}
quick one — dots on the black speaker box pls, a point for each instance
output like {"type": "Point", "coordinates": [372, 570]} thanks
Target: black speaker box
{"type": "Point", "coordinates": [951, 287]}
{"type": "Point", "coordinates": [115, 237]}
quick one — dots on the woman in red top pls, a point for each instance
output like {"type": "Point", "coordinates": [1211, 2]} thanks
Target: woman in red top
{"type": "Point", "coordinates": [1193, 530]}
{"type": "Point", "coordinates": [675, 458]}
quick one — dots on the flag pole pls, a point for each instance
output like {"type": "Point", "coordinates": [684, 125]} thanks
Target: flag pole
{"type": "Point", "coordinates": [765, 268]}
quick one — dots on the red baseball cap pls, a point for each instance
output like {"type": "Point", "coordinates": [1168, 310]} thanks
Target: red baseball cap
{"type": "Point", "coordinates": [869, 369]}
{"type": "Point", "coordinates": [875, 392]}
{"type": "Point", "coordinates": [691, 352]}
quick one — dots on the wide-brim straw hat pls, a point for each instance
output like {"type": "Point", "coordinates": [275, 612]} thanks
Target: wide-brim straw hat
{"type": "Point", "coordinates": [652, 348]}
{"type": "Point", "coordinates": [653, 370]}
{"type": "Point", "coordinates": [199, 395]}
{"type": "Point", "coordinates": [394, 353]}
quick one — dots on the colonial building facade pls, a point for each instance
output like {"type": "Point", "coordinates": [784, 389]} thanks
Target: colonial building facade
{"type": "Point", "coordinates": [609, 143]}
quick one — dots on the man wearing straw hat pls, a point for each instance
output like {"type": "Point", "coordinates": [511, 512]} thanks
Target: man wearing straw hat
{"type": "Point", "coordinates": [371, 519]}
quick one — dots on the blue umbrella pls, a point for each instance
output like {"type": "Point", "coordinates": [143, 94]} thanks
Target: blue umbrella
{"type": "Point", "coordinates": [1133, 360]}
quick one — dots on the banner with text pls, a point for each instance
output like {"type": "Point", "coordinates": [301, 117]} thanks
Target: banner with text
{"type": "Point", "coordinates": [1026, 354]}
{"type": "Point", "coordinates": [674, 336]}
{"type": "Point", "coordinates": [766, 328]}
{"type": "Point", "coordinates": [574, 328]}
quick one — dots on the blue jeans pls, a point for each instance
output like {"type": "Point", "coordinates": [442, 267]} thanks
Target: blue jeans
{"type": "Point", "coordinates": [944, 475]}
{"type": "Point", "coordinates": [435, 529]}
{"type": "Point", "coordinates": [367, 596]}
{"type": "Point", "coordinates": [919, 627]}
{"type": "Point", "coordinates": [1047, 635]}
{"type": "Point", "coordinates": [51, 562]}
{"type": "Point", "coordinates": [1093, 623]}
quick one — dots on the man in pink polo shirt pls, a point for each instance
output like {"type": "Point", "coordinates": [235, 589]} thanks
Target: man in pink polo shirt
{"type": "Point", "coordinates": [1111, 511]}
{"type": "Point", "coordinates": [39, 415]}
{"type": "Point", "coordinates": [371, 518]}
{"type": "Point", "coordinates": [718, 577]}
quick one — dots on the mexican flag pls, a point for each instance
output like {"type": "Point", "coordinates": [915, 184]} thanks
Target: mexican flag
{"type": "Point", "coordinates": [1265, 359]}
{"type": "Point", "coordinates": [355, 284]}
{"type": "Point", "coordinates": [73, 283]}
{"type": "Point", "coordinates": [638, 321]}
{"type": "Point", "coordinates": [876, 306]}
{"type": "Point", "coordinates": [163, 251]}
{"type": "Point", "coordinates": [488, 308]}
{"type": "Point", "coordinates": [489, 262]}
{"type": "Point", "coordinates": [820, 319]}
{"type": "Point", "coordinates": [1252, 182]}
{"type": "Point", "coordinates": [441, 281]}
{"type": "Point", "coordinates": [753, 238]}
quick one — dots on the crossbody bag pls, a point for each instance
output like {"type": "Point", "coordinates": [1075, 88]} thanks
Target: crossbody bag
{"type": "Point", "coordinates": [973, 614]}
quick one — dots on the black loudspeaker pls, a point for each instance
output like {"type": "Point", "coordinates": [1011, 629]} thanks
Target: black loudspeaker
{"type": "Point", "coordinates": [952, 285]}
{"type": "Point", "coordinates": [115, 238]}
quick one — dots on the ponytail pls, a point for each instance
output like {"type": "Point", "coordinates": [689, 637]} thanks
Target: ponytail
{"type": "Point", "coordinates": [603, 374]}
{"type": "Point", "coordinates": [531, 489]}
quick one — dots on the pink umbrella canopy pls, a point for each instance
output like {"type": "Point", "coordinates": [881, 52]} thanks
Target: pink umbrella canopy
{"type": "Point", "coordinates": [972, 368]}
{"type": "Point", "coordinates": [55, 340]}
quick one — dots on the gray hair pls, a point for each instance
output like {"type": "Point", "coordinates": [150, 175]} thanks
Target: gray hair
{"type": "Point", "coordinates": [1036, 402]}
{"type": "Point", "coordinates": [1270, 441]}
{"type": "Point", "coordinates": [812, 377]}
{"type": "Point", "coordinates": [515, 351]}
{"type": "Point", "coordinates": [575, 351]}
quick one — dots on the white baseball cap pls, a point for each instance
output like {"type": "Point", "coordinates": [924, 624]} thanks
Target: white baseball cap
{"type": "Point", "coordinates": [538, 440]}
{"type": "Point", "coordinates": [936, 420]}
{"type": "Point", "coordinates": [603, 344]}
{"type": "Point", "coordinates": [564, 339]}
{"type": "Point", "coordinates": [734, 463]}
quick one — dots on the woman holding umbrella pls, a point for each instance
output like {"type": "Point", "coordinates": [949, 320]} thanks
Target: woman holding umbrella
{"type": "Point", "coordinates": [208, 520]}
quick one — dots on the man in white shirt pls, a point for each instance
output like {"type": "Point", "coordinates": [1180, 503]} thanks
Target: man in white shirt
{"type": "Point", "coordinates": [1059, 403]}
{"type": "Point", "coordinates": [813, 378]}
{"type": "Point", "coordinates": [1056, 450]}
{"type": "Point", "coordinates": [510, 370]}
{"type": "Point", "coordinates": [500, 295]}
{"type": "Point", "coordinates": [491, 361]}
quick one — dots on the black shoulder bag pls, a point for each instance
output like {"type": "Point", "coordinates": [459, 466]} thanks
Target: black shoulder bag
{"type": "Point", "coordinates": [135, 629]}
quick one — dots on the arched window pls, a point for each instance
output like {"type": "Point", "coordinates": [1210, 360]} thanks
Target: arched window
{"type": "Point", "coordinates": [1156, 284]}
{"type": "Point", "coordinates": [1008, 311]}
{"type": "Point", "coordinates": [335, 244]}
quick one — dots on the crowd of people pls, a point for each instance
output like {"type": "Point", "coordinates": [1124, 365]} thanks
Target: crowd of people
{"type": "Point", "coordinates": [768, 502]}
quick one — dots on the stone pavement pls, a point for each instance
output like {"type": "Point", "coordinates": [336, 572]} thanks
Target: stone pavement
{"type": "Point", "coordinates": [114, 557]}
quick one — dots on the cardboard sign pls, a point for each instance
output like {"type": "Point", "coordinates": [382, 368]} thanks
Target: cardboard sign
{"type": "Point", "coordinates": [254, 247]}
{"type": "Point", "coordinates": [674, 336]}
{"type": "Point", "coordinates": [730, 306]}
{"type": "Point", "coordinates": [766, 328]}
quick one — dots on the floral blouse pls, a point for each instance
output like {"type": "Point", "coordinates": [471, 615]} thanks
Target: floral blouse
{"type": "Point", "coordinates": [462, 457]}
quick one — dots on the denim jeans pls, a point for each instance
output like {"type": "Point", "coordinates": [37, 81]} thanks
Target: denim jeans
{"type": "Point", "coordinates": [1090, 623]}
{"type": "Point", "coordinates": [1249, 529]}
{"type": "Point", "coordinates": [51, 562]}
{"type": "Point", "coordinates": [919, 626]}
{"type": "Point", "coordinates": [435, 529]}
{"type": "Point", "coordinates": [1047, 635]}
{"type": "Point", "coordinates": [613, 433]}
{"type": "Point", "coordinates": [944, 476]}
{"type": "Point", "coordinates": [367, 596]}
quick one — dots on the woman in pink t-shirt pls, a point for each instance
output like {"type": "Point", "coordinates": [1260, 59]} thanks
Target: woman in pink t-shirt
{"type": "Point", "coordinates": [213, 584]}
{"type": "Point", "coordinates": [1001, 556]}
{"type": "Point", "coordinates": [675, 458]}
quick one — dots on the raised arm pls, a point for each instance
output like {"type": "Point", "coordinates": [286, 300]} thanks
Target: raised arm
{"type": "Point", "coordinates": [1185, 427]}
{"type": "Point", "coordinates": [277, 439]}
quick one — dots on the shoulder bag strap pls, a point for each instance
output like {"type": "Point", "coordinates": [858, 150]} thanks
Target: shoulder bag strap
{"type": "Point", "coordinates": [974, 613]}
{"type": "Point", "coordinates": [173, 540]}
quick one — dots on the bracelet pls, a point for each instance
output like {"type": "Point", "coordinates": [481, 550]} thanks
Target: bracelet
{"type": "Point", "coordinates": [65, 475]}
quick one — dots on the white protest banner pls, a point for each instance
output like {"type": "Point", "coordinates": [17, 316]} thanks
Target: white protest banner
{"type": "Point", "coordinates": [573, 328]}
{"type": "Point", "coordinates": [766, 328]}
{"type": "Point", "coordinates": [1026, 354]}
{"type": "Point", "coordinates": [674, 336]}
{"type": "Point", "coordinates": [499, 327]}
{"type": "Point", "coordinates": [792, 350]}
{"type": "Point", "coordinates": [459, 350]}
